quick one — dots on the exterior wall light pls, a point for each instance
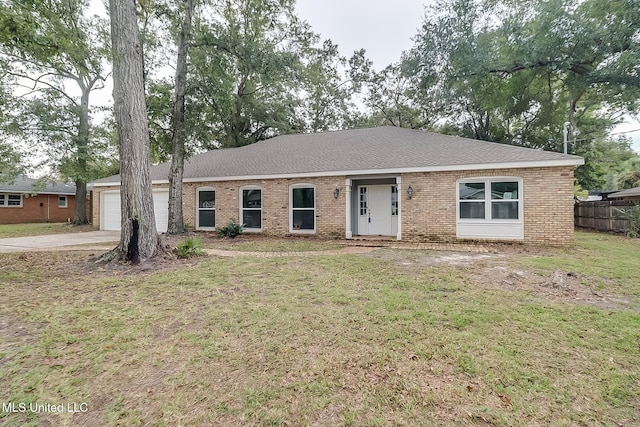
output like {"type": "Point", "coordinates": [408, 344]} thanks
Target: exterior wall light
{"type": "Point", "coordinates": [336, 193]}
{"type": "Point", "coordinates": [410, 191]}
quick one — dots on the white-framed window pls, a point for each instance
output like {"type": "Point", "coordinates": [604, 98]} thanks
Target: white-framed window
{"type": "Point", "coordinates": [206, 208]}
{"type": "Point", "coordinates": [62, 201]}
{"type": "Point", "coordinates": [302, 208]}
{"type": "Point", "coordinates": [490, 207]}
{"type": "Point", "coordinates": [11, 200]}
{"type": "Point", "coordinates": [489, 199]}
{"type": "Point", "coordinates": [251, 208]}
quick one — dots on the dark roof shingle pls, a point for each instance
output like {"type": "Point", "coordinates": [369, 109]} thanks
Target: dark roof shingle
{"type": "Point", "coordinates": [353, 151]}
{"type": "Point", "coordinates": [29, 185]}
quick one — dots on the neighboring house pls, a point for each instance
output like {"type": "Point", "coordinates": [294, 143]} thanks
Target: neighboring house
{"type": "Point", "coordinates": [410, 185]}
{"type": "Point", "coordinates": [29, 200]}
{"type": "Point", "coordinates": [629, 194]}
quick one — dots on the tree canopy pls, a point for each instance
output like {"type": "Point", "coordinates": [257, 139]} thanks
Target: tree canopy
{"type": "Point", "coordinates": [514, 72]}
{"type": "Point", "coordinates": [52, 56]}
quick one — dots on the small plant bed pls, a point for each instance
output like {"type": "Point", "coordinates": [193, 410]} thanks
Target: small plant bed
{"type": "Point", "coordinates": [190, 247]}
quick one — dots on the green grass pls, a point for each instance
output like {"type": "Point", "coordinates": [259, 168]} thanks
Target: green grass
{"type": "Point", "coordinates": [322, 340]}
{"type": "Point", "coordinates": [273, 245]}
{"type": "Point", "coordinates": [38, 228]}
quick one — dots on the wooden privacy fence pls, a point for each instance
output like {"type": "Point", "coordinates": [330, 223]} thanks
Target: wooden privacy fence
{"type": "Point", "coordinates": [603, 215]}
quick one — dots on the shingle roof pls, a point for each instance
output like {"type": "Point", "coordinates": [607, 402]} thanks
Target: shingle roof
{"type": "Point", "coordinates": [358, 151]}
{"type": "Point", "coordinates": [28, 185]}
{"type": "Point", "coordinates": [625, 193]}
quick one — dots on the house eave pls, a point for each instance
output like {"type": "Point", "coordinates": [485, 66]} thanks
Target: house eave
{"type": "Point", "coordinates": [392, 171]}
{"type": "Point", "coordinates": [37, 193]}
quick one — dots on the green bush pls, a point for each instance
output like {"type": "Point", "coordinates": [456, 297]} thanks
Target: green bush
{"type": "Point", "coordinates": [232, 229]}
{"type": "Point", "coordinates": [190, 247]}
{"type": "Point", "coordinates": [633, 215]}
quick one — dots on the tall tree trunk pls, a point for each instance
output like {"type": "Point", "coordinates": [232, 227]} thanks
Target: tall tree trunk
{"type": "Point", "coordinates": [573, 108]}
{"type": "Point", "coordinates": [82, 143]}
{"type": "Point", "coordinates": [176, 219]}
{"type": "Point", "coordinates": [139, 239]}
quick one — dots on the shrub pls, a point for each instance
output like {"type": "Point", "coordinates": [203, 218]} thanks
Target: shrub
{"type": "Point", "coordinates": [190, 247]}
{"type": "Point", "coordinates": [232, 229]}
{"type": "Point", "coordinates": [633, 215]}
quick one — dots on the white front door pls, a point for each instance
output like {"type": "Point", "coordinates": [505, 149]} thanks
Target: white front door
{"type": "Point", "coordinates": [375, 206]}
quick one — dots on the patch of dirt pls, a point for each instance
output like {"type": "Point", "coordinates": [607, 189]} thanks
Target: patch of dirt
{"type": "Point", "coordinates": [492, 271]}
{"type": "Point", "coordinates": [14, 335]}
{"type": "Point", "coordinates": [562, 286]}
{"type": "Point", "coordinates": [69, 262]}
{"type": "Point", "coordinates": [418, 258]}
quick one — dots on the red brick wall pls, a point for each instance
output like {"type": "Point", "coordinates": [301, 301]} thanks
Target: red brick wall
{"type": "Point", "coordinates": [32, 211]}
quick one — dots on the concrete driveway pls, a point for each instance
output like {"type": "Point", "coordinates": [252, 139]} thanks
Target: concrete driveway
{"type": "Point", "coordinates": [31, 243]}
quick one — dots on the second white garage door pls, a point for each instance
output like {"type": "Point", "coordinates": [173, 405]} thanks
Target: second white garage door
{"type": "Point", "coordinates": [110, 210]}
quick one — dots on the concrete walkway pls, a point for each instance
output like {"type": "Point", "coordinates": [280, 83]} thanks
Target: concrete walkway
{"type": "Point", "coordinates": [34, 243]}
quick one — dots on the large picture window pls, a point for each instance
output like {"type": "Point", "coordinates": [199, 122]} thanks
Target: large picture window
{"type": "Point", "coordinates": [489, 199]}
{"type": "Point", "coordinates": [303, 208]}
{"type": "Point", "coordinates": [206, 215]}
{"type": "Point", "coordinates": [252, 209]}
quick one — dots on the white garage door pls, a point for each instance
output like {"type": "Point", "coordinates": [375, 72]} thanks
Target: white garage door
{"type": "Point", "coordinates": [110, 210]}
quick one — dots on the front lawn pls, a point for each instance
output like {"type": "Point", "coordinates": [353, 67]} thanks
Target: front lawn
{"type": "Point", "coordinates": [39, 228]}
{"type": "Point", "coordinates": [391, 337]}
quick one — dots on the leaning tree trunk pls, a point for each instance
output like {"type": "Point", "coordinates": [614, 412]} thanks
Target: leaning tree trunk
{"type": "Point", "coordinates": [139, 239]}
{"type": "Point", "coordinates": [176, 218]}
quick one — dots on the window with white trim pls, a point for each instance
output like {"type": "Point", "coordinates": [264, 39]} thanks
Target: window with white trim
{"type": "Point", "coordinates": [302, 202]}
{"type": "Point", "coordinates": [251, 208]}
{"type": "Point", "coordinates": [11, 200]}
{"type": "Point", "coordinates": [489, 199]}
{"type": "Point", "coordinates": [206, 208]}
{"type": "Point", "coordinates": [62, 201]}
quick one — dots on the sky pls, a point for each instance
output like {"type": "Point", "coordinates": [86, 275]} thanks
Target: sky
{"type": "Point", "coordinates": [383, 28]}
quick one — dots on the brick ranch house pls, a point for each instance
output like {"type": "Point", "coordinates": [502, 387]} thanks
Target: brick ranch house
{"type": "Point", "coordinates": [27, 200]}
{"type": "Point", "coordinates": [410, 185]}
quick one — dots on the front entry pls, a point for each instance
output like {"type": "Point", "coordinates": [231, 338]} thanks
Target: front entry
{"type": "Point", "coordinates": [377, 210]}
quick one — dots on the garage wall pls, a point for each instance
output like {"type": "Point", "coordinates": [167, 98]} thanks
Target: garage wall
{"type": "Point", "coordinates": [107, 214]}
